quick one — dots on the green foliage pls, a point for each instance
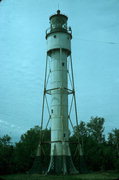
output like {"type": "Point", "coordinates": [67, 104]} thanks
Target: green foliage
{"type": "Point", "coordinates": [5, 140]}
{"type": "Point", "coordinates": [99, 153]}
{"type": "Point", "coordinates": [26, 148]}
{"type": "Point", "coordinates": [6, 152]}
{"type": "Point", "coordinates": [113, 143]}
{"type": "Point", "coordinates": [96, 128]}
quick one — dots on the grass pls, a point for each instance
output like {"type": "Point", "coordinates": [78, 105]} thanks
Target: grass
{"type": "Point", "coordinates": [91, 176]}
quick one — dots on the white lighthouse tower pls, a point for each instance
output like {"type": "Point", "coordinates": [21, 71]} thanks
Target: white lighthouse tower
{"type": "Point", "coordinates": [59, 85]}
{"type": "Point", "coordinates": [58, 38]}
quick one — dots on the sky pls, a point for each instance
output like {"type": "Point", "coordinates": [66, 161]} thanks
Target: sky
{"type": "Point", "coordinates": [95, 55]}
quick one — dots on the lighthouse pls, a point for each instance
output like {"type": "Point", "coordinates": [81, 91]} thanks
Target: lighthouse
{"type": "Point", "coordinates": [58, 38]}
{"type": "Point", "coordinates": [59, 88]}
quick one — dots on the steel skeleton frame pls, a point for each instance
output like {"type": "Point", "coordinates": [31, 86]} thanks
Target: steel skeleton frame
{"type": "Point", "coordinates": [69, 92]}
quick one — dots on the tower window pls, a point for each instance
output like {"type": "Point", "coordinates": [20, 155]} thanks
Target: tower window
{"type": "Point", "coordinates": [63, 64]}
{"type": "Point", "coordinates": [54, 36]}
{"type": "Point", "coordinates": [51, 110]}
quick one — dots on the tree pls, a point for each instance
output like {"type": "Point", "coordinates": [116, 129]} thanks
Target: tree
{"type": "Point", "coordinates": [5, 140]}
{"type": "Point", "coordinates": [96, 129]}
{"type": "Point", "coordinates": [80, 133]}
{"type": "Point", "coordinates": [92, 140]}
{"type": "Point", "coordinates": [113, 142]}
{"type": "Point", "coordinates": [26, 148]}
{"type": "Point", "coordinates": [6, 153]}
{"type": "Point", "coordinates": [99, 154]}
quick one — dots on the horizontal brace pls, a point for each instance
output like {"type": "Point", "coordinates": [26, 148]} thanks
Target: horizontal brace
{"type": "Point", "coordinates": [69, 91]}
{"type": "Point", "coordinates": [49, 142]}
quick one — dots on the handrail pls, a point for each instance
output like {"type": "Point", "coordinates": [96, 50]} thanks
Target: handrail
{"type": "Point", "coordinates": [67, 29]}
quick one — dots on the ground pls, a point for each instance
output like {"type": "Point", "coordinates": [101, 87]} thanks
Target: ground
{"type": "Point", "coordinates": [91, 176]}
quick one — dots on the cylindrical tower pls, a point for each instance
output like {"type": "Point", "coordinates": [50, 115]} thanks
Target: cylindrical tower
{"type": "Point", "coordinates": [58, 38]}
{"type": "Point", "coordinates": [59, 71]}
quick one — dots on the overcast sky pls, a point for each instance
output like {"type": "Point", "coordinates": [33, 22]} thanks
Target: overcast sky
{"type": "Point", "coordinates": [95, 52]}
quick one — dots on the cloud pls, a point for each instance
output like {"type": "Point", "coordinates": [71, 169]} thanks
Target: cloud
{"type": "Point", "coordinates": [6, 124]}
{"type": "Point", "coordinates": [12, 125]}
